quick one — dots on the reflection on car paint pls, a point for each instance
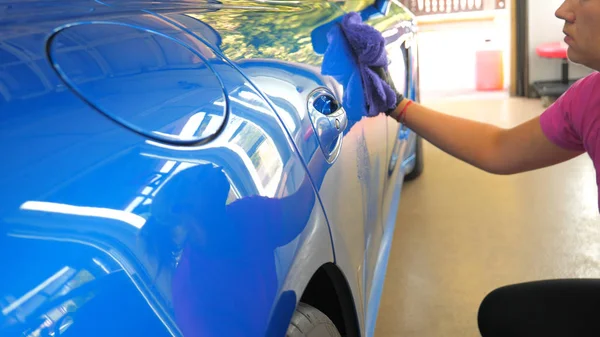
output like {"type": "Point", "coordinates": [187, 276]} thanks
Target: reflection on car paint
{"type": "Point", "coordinates": [70, 294]}
{"type": "Point", "coordinates": [110, 77]}
{"type": "Point", "coordinates": [113, 232]}
{"type": "Point", "coordinates": [108, 181]}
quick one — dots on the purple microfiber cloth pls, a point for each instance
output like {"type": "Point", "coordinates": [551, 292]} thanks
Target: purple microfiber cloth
{"type": "Point", "coordinates": [368, 46]}
{"type": "Point", "coordinates": [340, 63]}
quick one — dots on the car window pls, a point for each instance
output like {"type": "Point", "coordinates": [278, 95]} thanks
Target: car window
{"type": "Point", "coordinates": [53, 288]}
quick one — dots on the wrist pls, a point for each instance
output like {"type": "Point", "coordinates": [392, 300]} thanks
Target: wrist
{"type": "Point", "coordinates": [399, 113]}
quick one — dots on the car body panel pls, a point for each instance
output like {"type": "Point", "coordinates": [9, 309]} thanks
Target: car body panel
{"type": "Point", "coordinates": [287, 73]}
{"type": "Point", "coordinates": [217, 224]}
{"type": "Point", "coordinates": [77, 178]}
{"type": "Point", "coordinates": [169, 88]}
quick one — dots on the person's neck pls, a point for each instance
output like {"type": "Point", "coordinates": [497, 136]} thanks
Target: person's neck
{"type": "Point", "coordinates": [594, 66]}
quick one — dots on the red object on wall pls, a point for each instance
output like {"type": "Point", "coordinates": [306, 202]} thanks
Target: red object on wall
{"type": "Point", "coordinates": [489, 68]}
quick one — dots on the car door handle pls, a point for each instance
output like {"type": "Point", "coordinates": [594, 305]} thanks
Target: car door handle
{"type": "Point", "coordinates": [329, 120]}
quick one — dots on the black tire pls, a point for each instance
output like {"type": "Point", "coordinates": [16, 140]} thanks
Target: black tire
{"type": "Point", "coordinates": [310, 322]}
{"type": "Point", "coordinates": [418, 168]}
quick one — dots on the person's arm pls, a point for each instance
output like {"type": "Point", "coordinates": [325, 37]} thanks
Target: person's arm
{"type": "Point", "coordinates": [493, 149]}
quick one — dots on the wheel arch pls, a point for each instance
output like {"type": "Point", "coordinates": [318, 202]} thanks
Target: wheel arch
{"type": "Point", "coordinates": [329, 291]}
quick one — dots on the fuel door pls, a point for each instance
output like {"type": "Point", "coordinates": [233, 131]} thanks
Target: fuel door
{"type": "Point", "coordinates": [329, 120]}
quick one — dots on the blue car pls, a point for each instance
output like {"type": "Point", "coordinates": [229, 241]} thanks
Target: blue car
{"type": "Point", "coordinates": [196, 167]}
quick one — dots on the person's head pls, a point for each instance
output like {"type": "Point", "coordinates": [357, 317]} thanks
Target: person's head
{"type": "Point", "coordinates": [582, 27]}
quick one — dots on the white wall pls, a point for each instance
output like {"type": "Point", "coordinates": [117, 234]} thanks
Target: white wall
{"type": "Point", "coordinates": [447, 54]}
{"type": "Point", "coordinates": [544, 27]}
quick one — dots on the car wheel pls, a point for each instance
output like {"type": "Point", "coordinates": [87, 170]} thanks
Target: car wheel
{"type": "Point", "coordinates": [310, 322]}
{"type": "Point", "coordinates": [418, 168]}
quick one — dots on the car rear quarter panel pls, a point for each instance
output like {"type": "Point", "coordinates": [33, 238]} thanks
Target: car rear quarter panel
{"type": "Point", "coordinates": [207, 232]}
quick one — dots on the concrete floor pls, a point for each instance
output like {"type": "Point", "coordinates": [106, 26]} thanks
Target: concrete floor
{"type": "Point", "coordinates": [462, 232]}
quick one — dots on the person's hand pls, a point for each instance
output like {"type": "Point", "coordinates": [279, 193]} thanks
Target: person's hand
{"type": "Point", "coordinates": [384, 74]}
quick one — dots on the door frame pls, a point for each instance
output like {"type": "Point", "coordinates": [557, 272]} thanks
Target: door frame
{"type": "Point", "coordinates": [519, 46]}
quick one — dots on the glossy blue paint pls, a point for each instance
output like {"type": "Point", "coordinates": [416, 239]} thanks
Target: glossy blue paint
{"type": "Point", "coordinates": [166, 173]}
{"type": "Point", "coordinates": [183, 82]}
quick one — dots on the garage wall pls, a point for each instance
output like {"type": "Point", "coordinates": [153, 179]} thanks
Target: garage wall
{"type": "Point", "coordinates": [447, 53]}
{"type": "Point", "coordinates": [544, 27]}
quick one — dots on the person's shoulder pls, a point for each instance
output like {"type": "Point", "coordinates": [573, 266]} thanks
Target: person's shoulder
{"type": "Point", "coordinates": [565, 121]}
{"type": "Point", "coordinates": [580, 95]}
{"type": "Point", "coordinates": [593, 77]}
{"type": "Point", "coordinates": [592, 83]}
{"type": "Point", "coordinates": [586, 83]}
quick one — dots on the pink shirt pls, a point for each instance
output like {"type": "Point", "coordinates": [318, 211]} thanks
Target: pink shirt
{"type": "Point", "coordinates": [573, 121]}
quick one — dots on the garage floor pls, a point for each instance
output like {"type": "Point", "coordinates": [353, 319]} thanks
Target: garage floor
{"type": "Point", "coordinates": [462, 232]}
